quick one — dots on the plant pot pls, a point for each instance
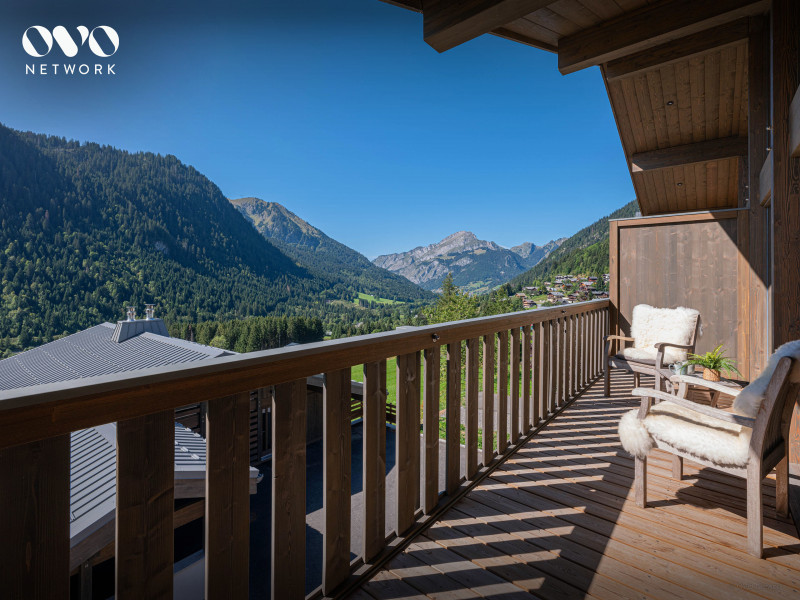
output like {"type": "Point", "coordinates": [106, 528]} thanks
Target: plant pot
{"type": "Point", "coordinates": [710, 375]}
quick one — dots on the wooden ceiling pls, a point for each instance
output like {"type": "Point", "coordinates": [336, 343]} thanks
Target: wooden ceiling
{"type": "Point", "coordinates": [675, 72]}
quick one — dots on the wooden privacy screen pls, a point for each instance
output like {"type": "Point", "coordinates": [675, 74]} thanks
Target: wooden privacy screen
{"type": "Point", "coordinates": [687, 260]}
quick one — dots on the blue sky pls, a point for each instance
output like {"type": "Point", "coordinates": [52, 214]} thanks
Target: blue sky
{"type": "Point", "coordinates": [339, 111]}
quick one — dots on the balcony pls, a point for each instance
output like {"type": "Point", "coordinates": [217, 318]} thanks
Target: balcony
{"type": "Point", "coordinates": [536, 362]}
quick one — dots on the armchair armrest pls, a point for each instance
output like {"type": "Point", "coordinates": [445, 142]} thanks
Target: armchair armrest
{"type": "Point", "coordinates": [722, 415]}
{"type": "Point", "coordinates": [687, 380]}
{"type": "Point", "coordinates": [660, 351]}
{"type": "Point", "coordinates": [607, 341]}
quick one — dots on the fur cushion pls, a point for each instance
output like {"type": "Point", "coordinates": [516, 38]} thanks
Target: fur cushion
{"type": "Point", "coordinates": [703, 437]}
{"type": "Point", "coordinates": [750, 398]}
{"type": "Point", "coordinates": [653, 325]}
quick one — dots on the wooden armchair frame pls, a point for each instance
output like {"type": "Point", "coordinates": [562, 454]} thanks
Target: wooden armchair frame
{"type": "Point", "coordinates": [768, 447]}
{"type": "Point", "coordinates": [660, 370]}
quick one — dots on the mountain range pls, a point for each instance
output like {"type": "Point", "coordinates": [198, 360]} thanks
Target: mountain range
{"type": "Point", "coordinates": [477, 265]}
{"type": "Point", "coordinates": [322, 255]}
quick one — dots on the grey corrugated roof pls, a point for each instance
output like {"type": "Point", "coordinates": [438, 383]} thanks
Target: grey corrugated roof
{"type": "Point", "coordinates": [92, 352]}
{"type": "Point", "coordinates": [93, 472]}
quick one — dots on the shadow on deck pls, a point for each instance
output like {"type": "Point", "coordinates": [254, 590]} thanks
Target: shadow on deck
{"type": "Point", "coordinates": [557, 520]}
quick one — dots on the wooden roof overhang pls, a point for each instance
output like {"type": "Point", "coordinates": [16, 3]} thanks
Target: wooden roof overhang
{"type": "Point", "coordinates": [676, 73]}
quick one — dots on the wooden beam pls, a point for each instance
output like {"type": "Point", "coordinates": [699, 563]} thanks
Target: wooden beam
{"type": "Point", "coordinates": [680, 49]}
{"type": "Point", "coordinates": [34, 519]}
{"type": "Point", "coordinates": [507, 34]}
{"type": "Point", "coordinates": [145, 506]}
{"type": "Point", "coordinates": [648, 27]}
{"type": "Point", "coordinates": [687, 154]}
{"type": "Point", "coordinates": [448, 24]}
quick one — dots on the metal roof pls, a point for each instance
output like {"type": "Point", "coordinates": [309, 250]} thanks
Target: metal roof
{"type": "Point", "coordinates": [93, 472]}
{"type": "Point", "coordinates": [93, 352]}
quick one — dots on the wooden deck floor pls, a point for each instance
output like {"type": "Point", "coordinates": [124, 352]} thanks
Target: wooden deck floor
{"type": "Point", "coordinates": [558, 520]}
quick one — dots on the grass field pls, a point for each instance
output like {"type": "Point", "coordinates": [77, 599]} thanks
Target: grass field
{"type": "Point", "coordinates": [371, 298]}
{"type": "Point", "coordinates": [357, 374]}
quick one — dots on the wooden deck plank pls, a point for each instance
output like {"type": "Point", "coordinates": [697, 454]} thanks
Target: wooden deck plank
{"type": "Point", "coordinates": [557, 520]}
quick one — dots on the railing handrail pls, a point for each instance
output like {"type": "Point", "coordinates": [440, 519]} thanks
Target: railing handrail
{"type": "Point", "coordinates": [39, 412]}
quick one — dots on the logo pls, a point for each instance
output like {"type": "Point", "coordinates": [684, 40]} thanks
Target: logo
{"type": "Point", "coordinates": [38, 42]}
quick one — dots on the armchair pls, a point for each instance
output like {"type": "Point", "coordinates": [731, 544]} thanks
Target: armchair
{"type": "Point", "coordinates": [659, 337]}
{"type": "Point", "coordinates": [748, 443]}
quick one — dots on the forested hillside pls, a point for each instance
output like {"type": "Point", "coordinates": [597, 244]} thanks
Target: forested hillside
{"type": "Point", "coordinates": [584, 253]}
{"type": "Point", "coordinates": [348, 271]}
{"type": "Point", "coordinates": [85, 229]}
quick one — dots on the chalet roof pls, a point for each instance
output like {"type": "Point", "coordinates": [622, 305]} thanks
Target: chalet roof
{"type": "Point", "coordinates": [93, 352]}
{"type": "Point", "coordinates": [93, 472]}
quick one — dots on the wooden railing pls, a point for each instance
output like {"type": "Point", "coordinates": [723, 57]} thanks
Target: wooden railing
{"type": "Point", "coordinates": [537, 360]}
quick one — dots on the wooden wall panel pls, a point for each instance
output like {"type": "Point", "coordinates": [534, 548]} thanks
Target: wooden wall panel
{"type": "Point", "coordinates": [669, 263]}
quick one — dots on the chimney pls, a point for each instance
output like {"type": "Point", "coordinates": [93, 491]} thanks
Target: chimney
{"type": "Point", "coordinates": [131, 327]}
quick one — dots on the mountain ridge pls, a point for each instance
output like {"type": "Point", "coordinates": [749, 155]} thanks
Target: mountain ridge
{"type": "Point", "coordinates": [314, 250]}
{"type": "Point", "coordinates": [477, 265]}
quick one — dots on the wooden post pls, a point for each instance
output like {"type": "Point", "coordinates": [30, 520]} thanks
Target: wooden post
{"type": "Point", "coordinates": [502, 391]}
{"type": "Point", "coordinates": [527, 349]}
{"type": "Point", "coordinates": [34, 552]}
{"type": "Point", "coordinates": [514, 409]}
{"type": "Point", "coordinates": [408, 442]}
{"type": "Point", "coordinates": [536, 367]}
{"type": "Point", "coordinates": [145, 505]}
{"type": "Point", "coordinates": [785, 204]}
{"type": "Point", "coordinates": [227, 542]}
{"type": "Point", "coordinates": [289, 409]}
{"type": "Point", "coordinates": [336, 470]}
{"type": "Point", "coordinates": [758, 268]}
{"type": "Point", "coordinates": [488, 398]}
{"type": "Point", "coordinates": [471, 395]}
{"type": "Point", "coordinates": [430, 427]}
{"type": "Point", "coordinates": [453, 425]}
{"type": "Point", "coordinates": [374, 468]}
{"type": "Point", "coordinates": [547, 378]}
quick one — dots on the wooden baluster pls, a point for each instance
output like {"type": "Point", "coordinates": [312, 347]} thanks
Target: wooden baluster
{"type": "Point", "coordinates": [374, 472]}
{"type": "Point", "coordinates": [430, 427]}
{"type": "Point", "coordinates": [471, 435]}
{"type": "Point", "coordinates": [336, 471]}
{"type": "Point", "coordinates": [407, 440]}
{"type": "Point", "coordinates": [592, 345]}
{"type": "Point", "coordinates": [558, 352]}
{"type": "Point", "coordinates": [227, 535]}
{"type": "Point", "coordinates": [145, 505]}
{"type": "Point", "coordinates": [34, 519]}
{"type": "Point", "coordinates": [585, 348]}
{"type": "Point", "coordinates": [527, 349]}
{"type": "Point", "coordinates": [547, 380]}
{"type": "Point", "coordinates": [289, 410]}
{"type": "Point", "coordinates": [502, 392]}
{"type": "Point", "coordinates": [576, 378]}
{"type": "Point", "coordinates": [599, 343]}
{"type": "Point", "coordinates": [536, 367]}
{"type": "Point", "coordinates": [488, 397]}
{"type": "Point", "coordinates": [515, 428]}
{"type": "Point", "coordinates": [567, 359]}
{"type": "Point", "coordinates": [453, 424]}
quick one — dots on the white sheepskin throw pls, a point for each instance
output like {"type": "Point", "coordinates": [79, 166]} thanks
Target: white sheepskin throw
{"type": "Point", "coordinates": [698, 435]}
{"type": "Point", "coordinates": [750, 398]}
{"type": "Point", "coordinates": [653, 325]}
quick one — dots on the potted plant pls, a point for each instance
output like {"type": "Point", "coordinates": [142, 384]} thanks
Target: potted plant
{"type": "Point", "coordinates": [713, 362]}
